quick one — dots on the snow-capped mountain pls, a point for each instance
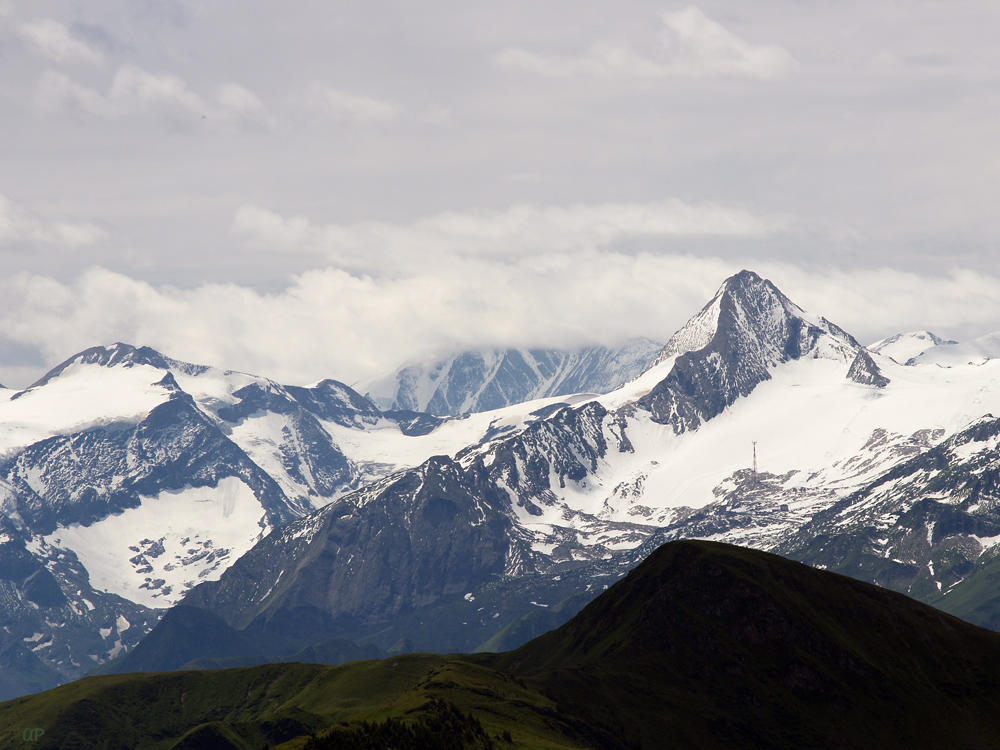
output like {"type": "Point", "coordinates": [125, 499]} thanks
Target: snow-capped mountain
{"type": "Point", "coordinates": [924, 348]}
{"type": "Point", "coordinates": [905, 347]}
{"type": "Point", "coordinates": [930, 527]}
{"type": "Point", "coordinates": [127, 477]}
{"type": "Point", "coordinates": [489, 379]}
{"type": "Point", "coordinates": [976, 351]}
{"type": "Point", "coordinates": [732, 346]}
{"type": "Point", "coordinates": [461, 532]}
{"type": "Point", "coordinates": [579, 496]}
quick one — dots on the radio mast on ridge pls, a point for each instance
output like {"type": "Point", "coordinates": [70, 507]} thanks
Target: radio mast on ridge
{"type": "Point", "coordinates": [754, 475]}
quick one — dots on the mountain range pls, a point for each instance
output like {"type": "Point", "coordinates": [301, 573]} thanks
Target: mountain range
{"type": "Point", "coordinates": [550, 513]}
{"type": "Point", "coordinates": [132, 482]}
{"type": "Point", "coordinates": [127, 477]}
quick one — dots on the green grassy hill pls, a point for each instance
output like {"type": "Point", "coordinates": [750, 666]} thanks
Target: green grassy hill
{"type": "Point", "coordinates": [717, 646]}
{"type": "Point", "coordinates": [275, 704]}
{"type": "Point", "coordinates": [704, 645]}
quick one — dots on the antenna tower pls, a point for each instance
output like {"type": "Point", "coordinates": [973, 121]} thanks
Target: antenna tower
{"type": "Point", "coordinates": [754, 475]}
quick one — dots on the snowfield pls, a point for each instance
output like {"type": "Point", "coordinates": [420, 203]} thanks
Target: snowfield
{"type": "Point", "coordinates": [175, 540]}
{"type": "Point", "coordinates": [83, 396]}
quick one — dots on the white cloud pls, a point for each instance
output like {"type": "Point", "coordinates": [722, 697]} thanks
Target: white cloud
{"type": "Point", "coordinates": [519, 230]}
{"type": "Point", "coordinates": [602, 60]}
{"type": "Point", "coordinates": [699, 46]}
{"type": "Point", "coordinates": [272, 231]}
{"type": "Point", "coordinates": [342, 106]}
{"type": "Point", "coordinates": [135, 89]}
{"type": "Point", "coordinates": [20, 227]}
{"type": "Point", "coordinates": [53, 40]}
{"type": "Point", "coordinates": [137, 92]}
{"type": "Point", "coordinates": [329, 323]}
{"type": "Point", "coordinates": [693, 45]}
{"type": "Point", "coordinates": [244, 108]}
{"type": "Point", "coordinates": [57, 92]}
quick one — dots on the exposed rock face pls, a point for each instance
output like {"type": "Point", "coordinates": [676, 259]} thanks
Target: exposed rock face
{"type": "Point", "coordinates": [85, 477]}
{"type": "Point", "coordinates": [415, 540]}
{"type": "Point", "coordinates": [865, 371]}
{"type": "Point", "coordinates": [925, 527]}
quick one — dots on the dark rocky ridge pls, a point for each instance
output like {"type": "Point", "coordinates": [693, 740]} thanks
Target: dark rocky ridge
{"type": "Point", "coordinates": [92, 474]}
{"type": "Point", "coordinates": [116, 354]}
{"type": "Point", "coordinates": [427, 537]}
{"type": "Point", "coordinates": [866, 372]}
{"type": "Point", "coordinates": [918, 527]}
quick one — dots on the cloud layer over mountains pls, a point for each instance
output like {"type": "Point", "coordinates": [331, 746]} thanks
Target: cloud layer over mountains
{"type": "Point", "coordinates": [332, 190]}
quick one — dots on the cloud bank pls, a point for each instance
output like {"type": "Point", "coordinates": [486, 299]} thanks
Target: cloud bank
{"type": "Point", "coordinates": [521, 230]}
{"type": "Point", "coordinates": [692, 45]}
{"type": "Point", "coordinates": [22, 228]}
{"type": "Point", "coordinates": [136, 92]}
{"type": "Point", "coordinates": [871, 124]}
{"type": "Point", "coordinates": [54, 41]}
{"type": "Point", "coordinates": [333, 323]}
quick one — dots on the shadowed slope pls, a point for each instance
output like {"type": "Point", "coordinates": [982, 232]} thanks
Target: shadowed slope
{"type": "Point", "coordinates": [719, 646]}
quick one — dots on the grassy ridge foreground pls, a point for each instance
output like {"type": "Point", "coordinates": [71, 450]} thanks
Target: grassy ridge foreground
{"type": "Point", "coordinates": [275, 705]}
{"type": "Point", "coordinates": [703, 646]}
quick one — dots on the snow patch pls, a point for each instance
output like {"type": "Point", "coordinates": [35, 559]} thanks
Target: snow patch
{"type": "Point", "coordinates": [154, 553]}
{"type": "Point", "coordinates": [83, 396]}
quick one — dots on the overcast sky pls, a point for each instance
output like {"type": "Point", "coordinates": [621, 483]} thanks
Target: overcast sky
{"type": "Point", "coordinates": [315, 189]}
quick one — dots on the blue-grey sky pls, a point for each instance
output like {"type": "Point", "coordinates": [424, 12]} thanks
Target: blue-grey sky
{"type": "Point", "coordinates": [321, 189]}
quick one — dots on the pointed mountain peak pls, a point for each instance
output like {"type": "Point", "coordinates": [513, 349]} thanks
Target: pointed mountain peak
{"type": "Point", "coordinates": [754, 310]}
{"type": "Point", "coordinates": [731, 346]}
{"type": "Point", "coordinates": [747, 283]}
